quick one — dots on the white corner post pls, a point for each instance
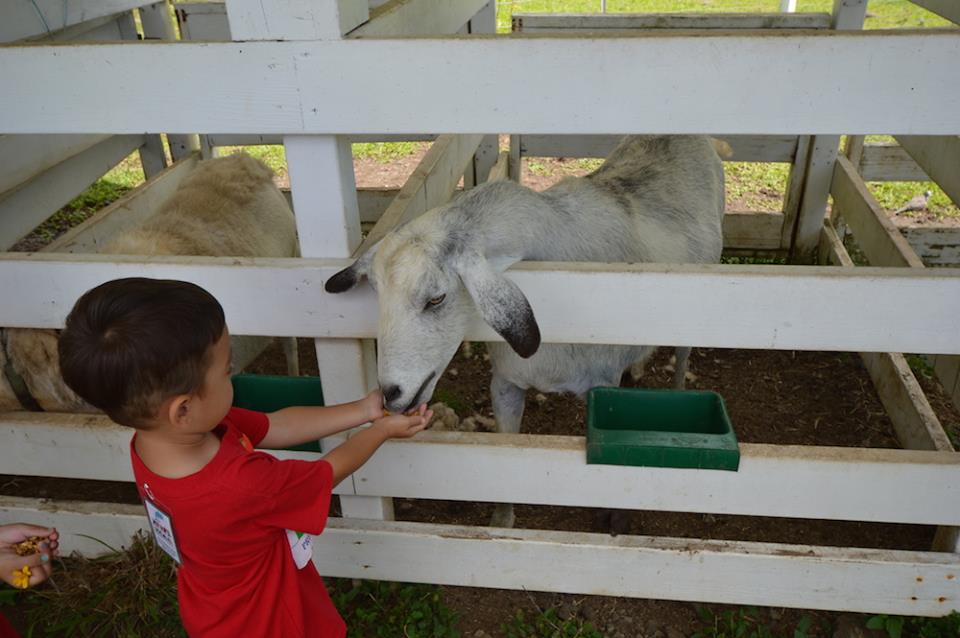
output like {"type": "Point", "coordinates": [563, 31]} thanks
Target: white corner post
{"type": "Point", "coordinates": [847, 15]}
{"type": "Point", "coordinates": [152, 17]}
{"type": "Point", "coordinates": [324, 198]}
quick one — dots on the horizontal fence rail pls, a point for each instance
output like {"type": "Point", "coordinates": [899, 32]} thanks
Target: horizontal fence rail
{"type": "Point", "coordinates": [472, 85]}
{"type": "Point", "coordinates": [769, 307]}
{"type": "Point", "coordinates": [773, 480]}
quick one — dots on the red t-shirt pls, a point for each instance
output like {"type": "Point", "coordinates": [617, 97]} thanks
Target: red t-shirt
{"type": "Point", "coordinates": [237, 575]}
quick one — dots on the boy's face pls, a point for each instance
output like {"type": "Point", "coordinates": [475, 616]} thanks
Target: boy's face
{"type": "Point", "coordinates": [208, 408]}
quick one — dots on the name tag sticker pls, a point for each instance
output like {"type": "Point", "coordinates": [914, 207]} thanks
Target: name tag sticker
{"type": "Point", "coordinates": [162, 527]}
{"type": "Point", "coordinates": [301, 546]}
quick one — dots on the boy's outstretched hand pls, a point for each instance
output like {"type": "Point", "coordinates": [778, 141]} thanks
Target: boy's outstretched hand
{"type": "Point", "coordinates": [403, 426]}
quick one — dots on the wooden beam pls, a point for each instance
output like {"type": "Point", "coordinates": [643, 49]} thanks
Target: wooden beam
{"type": "Point", "coordinates": [769, 307]}
{"type": "Point", "coordinates": [948, 9]}
{"type": "Point", "coordinates": [223, 139]}
{"type": "Point", "coordinates": [500, 170]}
{"type": "Point", "coordinates": [935, 245]}
{"type": "Point", "coordinates": [285, 87]}
{"type": "Point", "coordinates": [29, 155]}
{"type": "Point", "coordinates": [876, 235]}
{"type": "Point", "coordinates": [566, 22]}
{"type": "Point", "coordinates": [30, 203]}
{"type": "Point", "coordinates": [294, 19]}
{"type": "Point", "coordinates": [770, 574]}
{"type": "Point", "coordinates": [752, 231]}
{"type": "Point", "coordinates": [889, 163]}
{"type": "Point", "coordinates": [746, 148]}
{"type": "Point", "coordinates": [939, 157]}
{"type": "Point", "coordinates": [430, 185]}
{"type": "Point", "coordinates": [773, 480]}
{"type": "Point", "coordinates": [39, 17]}
{"type": "Point", "coordinates": [418, 18]}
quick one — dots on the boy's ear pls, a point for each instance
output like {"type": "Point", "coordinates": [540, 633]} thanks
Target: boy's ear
{"type": "Point", "coordinates": [178, 411]}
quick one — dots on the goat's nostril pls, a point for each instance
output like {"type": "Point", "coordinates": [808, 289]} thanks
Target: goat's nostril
{"type": "Point", "coordinates": [391, 392]}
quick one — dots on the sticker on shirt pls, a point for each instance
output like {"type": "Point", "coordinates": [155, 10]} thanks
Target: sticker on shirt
{"type": "Point", "coordinates": [245, 443]}
{"type": "Point", "coordinates": [162, 527]}
{"type": "Point", "coordinates": [301, 546]}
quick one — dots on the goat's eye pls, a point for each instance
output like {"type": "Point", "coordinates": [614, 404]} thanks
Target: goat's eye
{"type": "Point", "coordinates": [435, 301]}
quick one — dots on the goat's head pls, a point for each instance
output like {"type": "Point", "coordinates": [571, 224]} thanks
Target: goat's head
{"type": "Point", "coordinates": [429, 279]}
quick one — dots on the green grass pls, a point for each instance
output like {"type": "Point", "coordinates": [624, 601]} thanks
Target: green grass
{"type": "Point", "coordinates": [756, 186]}
{"type": "Point", "coordinates": [548, 624]}
{"type": "Point", "coordinates": [883, 14]}
{"type": "Point", "coordinates": [750, 622]}
{"type": "Point", "coordinates": [374, 609]}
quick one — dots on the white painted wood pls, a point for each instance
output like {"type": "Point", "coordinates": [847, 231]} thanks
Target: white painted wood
{"type": "Point", "coordinates": [418, 17]}
{"type": "Point", "coordinates": [876, 235]}
{"type": "Point", "coordinates": [373, 202]}
{"type": "Point", "coordinates": [770, 574]}
{"type": "Point", "coordinates": [430, 185]}
{"type": "Point", "coordinates": [101, 29]}
{"type": "Point", "coordinates": [124, 214]}
{"type": "Point", "coordinates": [157, 22]}
{"type": "Point", "coordinates": [772, 307]}
{"type": "Point", "coordinates": [889, 163]}
{"type": "Point", "coordinates": [849, 14]}
{"type": "Point", "coordinates": [37, 17]}
{"type": "Point", "coordinates": [832, 250]}
{"type": "Point", "coordinates": [256, 140]}
{"type": "Point", "coordinates": [936, 245]}
{"type": "Point", "coordinates": [796, 180]}
{"type": "Point", "coordinates": [788, 6]}
{"type": "Point", "coordinates": [206, 21]}
{"type": "Point", "coordinates": [948, 9]}
{"type": "Point", "coordinates": [773, 480]}
{"type": "Point", "coordinates": [81, 523]}
{"type": "Point", "coordinates": [30, 203]}
{"type": "Point", "coordinates": [813, 198]}
{"type": "Point", "coordinates": [746, 148]}
{"type": "Point", "coordinates": [324, 194]}
{"type": "Point", "coordinates": [939, 157]}
{"type": "Point", "coordinates": [27, 156]}
{"type": "Point", "coordinates": [914, 583]}
{"type": "Point", "coordinates": [591, 22]}
{"type": "Point", "coordinates": [153, 158]}
{"type": "Point", "coordinates": [500, 170]}
{"type": "Point", "coordinates": [294, 19]}
{"type": "Point", "coordinates": [285, 87]}
{"type": "Point", "coordinates": [752, 231]}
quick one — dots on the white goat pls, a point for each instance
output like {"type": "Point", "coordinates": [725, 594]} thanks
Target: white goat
{"type": "Point", "coordinates": [654, 199]}
{"type": "Point", "coordinates": [225, 207]}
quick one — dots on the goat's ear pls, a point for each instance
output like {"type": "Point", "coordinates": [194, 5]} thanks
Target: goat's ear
{"type": "Point", "coordinates": [500, 302]}
{"type": "Point", "coordinates": [352, 274]}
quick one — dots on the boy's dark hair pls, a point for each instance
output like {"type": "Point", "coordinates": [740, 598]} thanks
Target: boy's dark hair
{"type": "Point", "coordinates": [130, 344]}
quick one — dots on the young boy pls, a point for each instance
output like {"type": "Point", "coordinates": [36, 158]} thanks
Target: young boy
{"type": "Point", "coordinates": [155, 356]}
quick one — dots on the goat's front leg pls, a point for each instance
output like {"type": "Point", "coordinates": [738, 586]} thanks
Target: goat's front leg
{"type": "Point", "coordinates": [508, 401]}
{"type": "Point", "coordinates": [680, 368]}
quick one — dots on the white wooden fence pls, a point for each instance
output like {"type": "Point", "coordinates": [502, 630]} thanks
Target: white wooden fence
{"type": "Point", "coordinates": [313, 86]}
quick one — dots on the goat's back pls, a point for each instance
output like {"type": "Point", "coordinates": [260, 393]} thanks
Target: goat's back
{"type": "Point", "coordinates": [227, 206]}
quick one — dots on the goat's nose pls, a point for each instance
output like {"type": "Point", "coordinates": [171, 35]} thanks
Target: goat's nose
{"type": "Point", "coordinates": [391, 392]}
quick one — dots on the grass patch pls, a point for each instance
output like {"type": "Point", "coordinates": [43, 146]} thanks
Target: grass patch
{"type": "Point", "coordinates": [453, 401]}
{"type": "Point", "coordinates": [386, 152]}
{"type": "Point", "coordinates": [749, 622]}
{"type": "Point", "coordinates": [756, 186]}
{"type": "Point", "coordinates": [893, 195]}
{"type": "Point", "coordinates": [126, 593]}
{"type": "Point", "coordinates": [903, 627]}
{"type": "Point", "coordinates": [374, 609]}
{"type": "Point", "coordinates": [548, 624]}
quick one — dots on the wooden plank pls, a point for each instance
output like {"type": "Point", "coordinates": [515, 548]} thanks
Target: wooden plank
{"type": "Point", "coordinates": [431, 184]}
{"type": "Point", "coordinates": [889, 163]}
{"type": "Point", "coordinates": [553, 22]}
{"type": "Point", "coordinates": [769, 574]}
{"type": "Point", "coordinates": [37, 17]}
{"type": "Point", "coordinates": [257, 140]}
{"type": "Point", "coordinates": [29, 155]}
{"type": "Point", "coordinates": [124, 214]}
{"type": "Point", "coordinates": [373, 202]}
{"type": "Point", "coordinates": [746, 148]}
{"type": "Point", "coordinates": [752, 231]}
{"type": "Point", "coordinates": [418, 17]}
{"type": "Point", "coordinates": [769, 307]}
{"type": "Point", "coordinates": [935, 245]}
{"type": "Point", "coordinates": [773, 480]}
{"type": "Point", "coordinates": [812, 205]}
{"type": "Point", "coordinates": [203, 21]}
{"type": "Point", "coordinates": [876, 235]}
{"type": "Point", "coordinates": [30, 203]}
{"type": "Point", "coordinates": [948, 9]}
{"type": "Point", "coordinates": [500, 170]}
{"type": "Point", "coordinates": [939, 157]}
{"type": "Point", "coordinates": [285, 87]}
{"type": "Point", "coordinates": [793, 197]}
{"type": "Point", "coordinates": [294, 19]}
{"type": "Point", "coordinates": [102, 29]}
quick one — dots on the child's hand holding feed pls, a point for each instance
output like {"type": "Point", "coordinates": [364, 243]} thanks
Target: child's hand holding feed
{"type": "Point", "coordinates": [403, 426]}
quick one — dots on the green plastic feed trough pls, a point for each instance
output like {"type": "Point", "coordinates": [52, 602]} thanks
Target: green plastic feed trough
{"type": "Point", "coordinates": [267, 393]}
{"type": "Point", "coordinates": [660, 428]}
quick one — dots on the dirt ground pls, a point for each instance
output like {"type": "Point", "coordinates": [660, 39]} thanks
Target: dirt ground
{"type": "Point", "coordinates": [777, 397]}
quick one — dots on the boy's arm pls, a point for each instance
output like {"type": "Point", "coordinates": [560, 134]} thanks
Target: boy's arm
{"type": "Point", "coordinates": [347, 457]}
{"type": "Point", "coordinates": [296, 425]}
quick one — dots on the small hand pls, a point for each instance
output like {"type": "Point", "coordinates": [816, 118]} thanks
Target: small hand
{"type": "Point", "coordinates": [38, 563]}
{"type": "Point", "coordinates": [373, 405]}
{"type": "Point", "coordinates": [403, 426]}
